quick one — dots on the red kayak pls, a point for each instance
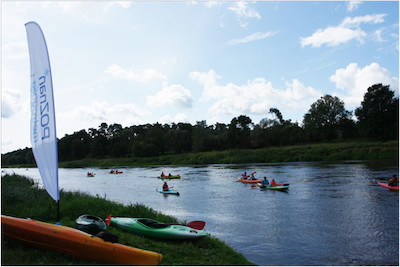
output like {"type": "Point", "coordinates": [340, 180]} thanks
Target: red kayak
{"type": "Point", "coordinates": [386, 185]}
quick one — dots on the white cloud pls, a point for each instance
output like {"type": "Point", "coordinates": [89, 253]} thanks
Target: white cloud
{"type": "Point", "coordinates": [98, 112]}
{"type": "Point", "coordinates": [251, 38]}
{"type": "Point", "coordinates": [255, 97]}
{"type": "Point", "coordinates": [167, 119]}
{"type": "Point", "coordinates": [136, 75]}
{"type": "Point", "coordinates": [353, 5]}
{"type": "Point", "coordinates": [11, 102]}
{"type": "Point", "coordinates": [348, 30]}
{"type": "Point", "coordinates": [354, 81]}
{"type": "Point", "coordinates": [211, 4]}
{"type": "Point", "coordinates": [118, 4]}
{"type": "Point", "coordinates": [208, 79]}
{"type": "Point", "coordinates": [243, 11]}
{"type": "Point", "coordinates": [356, 21]}
{"type": "Point", "coordinates": [174, 94]}
{"type": "Point", "coordinates": [377, 35]}
{"type": "Point", "coordinates": [333, 36]}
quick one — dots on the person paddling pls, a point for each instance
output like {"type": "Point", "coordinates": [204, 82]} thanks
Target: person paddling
{"type": "Point", "coordinates": [273, 183]}
{"type": "Point", "coordinates": [265, 182]}
{"type": "Point", "coordinates": [165, 186]}
{"type": "Point", "coordinates": [394, 180]}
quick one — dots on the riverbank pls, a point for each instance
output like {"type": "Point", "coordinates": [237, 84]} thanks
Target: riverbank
{"type": "Point", "coordinates": [22, 198]}
{"type": "Point", "coordinates": [300, 153]}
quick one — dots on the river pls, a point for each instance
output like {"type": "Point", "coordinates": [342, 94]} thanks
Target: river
{"type": "Point", "coordinates": [333, 214]}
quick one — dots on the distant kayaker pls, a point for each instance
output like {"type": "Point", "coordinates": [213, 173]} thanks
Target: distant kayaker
{"type": "Point", "coordinates": [252, 176]}
{"type": "Point", "coordinates": [273, 183]}
{"type": "Point", "coordinates": [162, 174]}
{"type": "Point", "coordinates": [165, 186]}
{"type": "Point", "coordinates": [394, 180]}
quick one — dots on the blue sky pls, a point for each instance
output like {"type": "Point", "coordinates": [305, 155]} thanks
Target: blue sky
{"type": "Point", "coordinates": [146, 62]}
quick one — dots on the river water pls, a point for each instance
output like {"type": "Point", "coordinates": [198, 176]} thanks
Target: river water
{"type": "Point", "coordinates": [333, 214]}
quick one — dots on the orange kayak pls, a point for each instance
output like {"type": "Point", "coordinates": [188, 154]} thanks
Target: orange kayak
{"type": "Point", "coordinates": [75, 243]}
{"type": "Point", "coordinates": [249, 181]}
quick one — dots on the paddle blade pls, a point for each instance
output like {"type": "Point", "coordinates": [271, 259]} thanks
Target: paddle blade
{"type": "Point", "coordinates": [198, 225]}
{"type": "Point", "coordinates": [108, 220]}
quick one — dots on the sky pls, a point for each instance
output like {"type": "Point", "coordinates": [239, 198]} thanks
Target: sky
{"type": "Point", "coordinates": [144, 62]}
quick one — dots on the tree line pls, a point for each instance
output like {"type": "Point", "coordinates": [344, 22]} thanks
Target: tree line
{"type": "Point", "coordinates": [327, 120]}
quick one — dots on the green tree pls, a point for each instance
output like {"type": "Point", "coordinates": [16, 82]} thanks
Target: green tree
{"type": "Point", "coordinates": [239, 131]}
{"type": "Point", "coordinates": [325, 117]}
{"type": "Point", "coordinates": [276, 131]}
{"type": "Point", "coordinates": [201, 137]}
{"type": "Point", "coordinates": [378, 116]}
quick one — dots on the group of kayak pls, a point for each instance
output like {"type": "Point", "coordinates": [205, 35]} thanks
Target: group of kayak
{"type": "Point", "coordinates": [166, 189]}
{"type": "Point", "coordinates": [264, 183]}
{"type": "Point", "coordinates": [90, 239]}
{"type": "Point", "coordinates": [112, 171]}
{"type": "Point", "coordinates": [142, 226]}
{"type": "Point", "coordinates": [115, 171]}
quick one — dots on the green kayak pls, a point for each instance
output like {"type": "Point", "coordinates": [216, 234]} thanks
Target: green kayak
{"type": "Point", "coordinates": [277, 187]}
{"type": "Point", "coordinates": [156, 229]}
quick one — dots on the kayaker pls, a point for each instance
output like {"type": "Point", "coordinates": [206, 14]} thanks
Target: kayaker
{"type": "Point", "coordinates": [252, 176]}
{"type": "Point", "coordinates": [244, 176]}
{"type": "Point", "coordinates": [265, 182]}
{"type": "Point", "coordinates": [394, 180]}
{"type": "Point", "coordinates": [273, 183]}
{"type": "Point", "coordinates": [165, 186]}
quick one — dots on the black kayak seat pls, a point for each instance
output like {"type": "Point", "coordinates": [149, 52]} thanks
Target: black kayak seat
{"type": "Point", "coordinates": [153, 224]}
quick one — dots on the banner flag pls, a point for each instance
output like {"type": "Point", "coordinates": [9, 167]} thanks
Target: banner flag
{"type": "Point", "coordinates": [43, 122]}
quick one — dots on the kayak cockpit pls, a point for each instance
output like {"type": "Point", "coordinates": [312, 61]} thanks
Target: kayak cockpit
{"type": "Point", "coordinates": [153, 224]}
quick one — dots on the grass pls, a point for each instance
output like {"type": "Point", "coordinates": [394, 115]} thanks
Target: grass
{"type": "Point", "coordinates": [352, 150]}
{"type": "Point", "coordinates": [297, 153]}
{"type": "Point", "coordinates": [22, 198]}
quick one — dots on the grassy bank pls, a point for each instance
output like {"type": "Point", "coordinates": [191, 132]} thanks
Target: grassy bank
{"type": "Point", "coordinates": [22, 198]}
{"type": "Point", "coordinates": [298, 153]}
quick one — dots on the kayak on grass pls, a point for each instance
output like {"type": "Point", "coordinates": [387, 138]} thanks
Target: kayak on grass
{"type": "Point", "coordinates": [391, 187]}
{"type": "Point", "coordinates": [277, 187]}
{"type": "Point", "coordinates": [75, 243]}
{"type": "Point", "coordinates": [169, 191]}
{"type": "Point", "coordinates": [90, 224]}
{"type": "Point", "coordinates": [156, 229]}
{"type": "Point", "coordinates": [249, 181]}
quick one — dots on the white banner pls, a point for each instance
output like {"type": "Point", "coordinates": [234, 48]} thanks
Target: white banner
{"type": "Point", "coordinates": [43, 123]}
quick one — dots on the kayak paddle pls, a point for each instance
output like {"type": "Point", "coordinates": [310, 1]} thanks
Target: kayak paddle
{"type": "Point", "coordinates": [108, 220]}
{"type": "Point", "coordinates": [198, 225]}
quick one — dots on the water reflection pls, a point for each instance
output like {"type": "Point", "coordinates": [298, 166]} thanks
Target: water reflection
{"type": "Point", "coordinates": [333, 214]}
